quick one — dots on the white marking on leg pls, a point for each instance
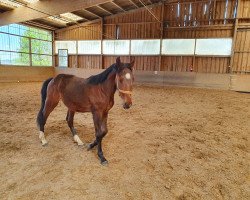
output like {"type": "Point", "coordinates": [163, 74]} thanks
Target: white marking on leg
{"type": "Point", "coordinates": [77, 140]}
{"type": "Point", "coordinates": [42, 138]}
{"type": "Point", "coordinates": [128, 76]}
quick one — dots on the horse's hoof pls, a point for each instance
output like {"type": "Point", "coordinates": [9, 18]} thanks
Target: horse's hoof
{"type": "Point", "coordinates": [89, 147]}
{"type": "Point", "coordinates": [80, 144]}
{"type": "Point", "coordinates": [105, 163]}
{"type": "Point", "coordinates": [45, 144]}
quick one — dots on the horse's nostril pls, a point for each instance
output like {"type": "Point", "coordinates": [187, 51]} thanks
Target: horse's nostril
{"type": "Point", "coordinates": [127, 105]}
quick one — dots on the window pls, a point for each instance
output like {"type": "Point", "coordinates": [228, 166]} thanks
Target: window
{"type": "Point", "coordinates": [21, 30]}
{"type": "Point", "coordinates": [70, 45]}
{"type": "Point", "coordinates": [14, 43]}
{"type": "Point", "coordinates": [178, 46]}
{"type": "Point", "coordinates": [41, 47]}
{"type": "Point", "coordinates": [206, 47]}
{"type": "Point", "coordinates": [62, 58]}
{"type": "Point", "coordinates": [89, 47]}
{"type": "Point", "coordinates": [116, 47]}
{"type": "Point", "coordinates": [218, 46]}
{"type": "Point", "coordinates": [17, 40]}
{"type": "Point", "coordinates": [145, 47]}
{"type": "Point", "coordinates": [12, 58]}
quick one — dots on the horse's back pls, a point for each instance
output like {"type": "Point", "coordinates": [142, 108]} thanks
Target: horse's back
{"type": "Point", "coordinates": [73, 91]}
{"type": "Point", "coordinates": [66, 78]}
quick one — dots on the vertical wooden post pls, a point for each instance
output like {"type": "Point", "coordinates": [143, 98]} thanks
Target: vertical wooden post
{"type": "Point", "coordinates": [76, 60]}
{"type": "Point", "coordinates": [234, 37]}
{"type": "Point", "coordinates": [161, 35]}
{"type": "Point", "coordinates": [53, 50]}
{"type": "Point", "coordinates": [101, 37]}
{"type": "Point", "coordinates": [195, 37]}
{"type": "Point", "coordinates": [193, 63]}
{"type": "Point", "coordinates": [214, 12]}
{"type": "Point", "coordinates": [30, 54]}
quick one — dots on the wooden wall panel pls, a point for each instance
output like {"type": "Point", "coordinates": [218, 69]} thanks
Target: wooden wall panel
{"type": "Point", "coordinates": [186, 14]}
{"type": "Point", "coordinates": [137, 31]}
{"type": "Point", "coordinates": [109, 31]}
{"type": "Point", "coordinates": [244, 9]}
{"type": "Point", "coordinates": [212, 64]}
{"type": "Point", "coordinates": [92, 32]}
{"type": "Point", "coordinates": [134, 25]}
{"type": "Point", "coordinates": [73, 61]}
{"type": "Point", "coordinates": [215, 33]}
{"type": "Point", "coordinates": [25, 74]}
{"type": "Point", "coordinates": [198, 32]}
{"type": "Point", "coordinates": [141, 15]}
{"type": "Point", "coordinates": [147, 63]}
{"type": "Point", "coordinates": [241, 60]}
{"type": "Point", "coordinates": [198, 64]}
{"type": "Point", "coordinates": [109, 60]}
{"type": "Point", "coordinates": [177, 63]}
{"type": "Point", "coordinates": [82, 61]}
{"type": "Point", "coordinates": [177, 33]}
{"type": "Point", "coordinates": [89, 62]}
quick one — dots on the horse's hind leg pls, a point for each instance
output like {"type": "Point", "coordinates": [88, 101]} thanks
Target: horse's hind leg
{"type": "Point", "coordinates": [70, 120]}
{"type": "Point", "coordinates": [48, 108]}
{"type": "Point", "coordinates": [50, 99]}
{"type": "Point", "coordinates": [91, 145]}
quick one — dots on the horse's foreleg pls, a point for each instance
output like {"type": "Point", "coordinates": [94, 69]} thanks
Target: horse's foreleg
{"type": "Point", "coordinates": [99, 149]}
{"type": "Point", "coordinates": [70, 120]}
{"type": "Point", "coordinates": [100, 122]}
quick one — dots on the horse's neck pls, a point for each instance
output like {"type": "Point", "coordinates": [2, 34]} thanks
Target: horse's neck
{"type": "Point", "coordinates": [109, 85]}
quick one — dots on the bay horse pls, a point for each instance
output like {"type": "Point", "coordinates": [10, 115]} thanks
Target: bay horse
{"type": "Point", "coordinates": [94, 94]}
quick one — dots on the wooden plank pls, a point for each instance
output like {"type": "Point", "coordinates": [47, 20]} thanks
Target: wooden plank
{"type": "Point", "coordinates": [25, 74]}
{"type": "Point", "coordinates": [42, 9]}
{"type": "Point", "coordinates": [234, 36]}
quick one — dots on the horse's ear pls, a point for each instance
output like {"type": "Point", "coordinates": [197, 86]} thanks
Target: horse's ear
{"type": "Point", "coordinates": [118, 61]}
{"type": "Point", "coordinates": [132, 63]}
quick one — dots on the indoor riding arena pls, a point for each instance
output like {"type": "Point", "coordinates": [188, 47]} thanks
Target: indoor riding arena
{"type": "Point", "coordinates": [124, 99]}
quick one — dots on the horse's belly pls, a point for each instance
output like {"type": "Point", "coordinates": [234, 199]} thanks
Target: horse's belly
{"type": "Point", "coordinates": [77, 106]}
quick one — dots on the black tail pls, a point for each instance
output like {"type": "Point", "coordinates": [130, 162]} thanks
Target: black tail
{"type": "Point", "coordinates": [40, 118]}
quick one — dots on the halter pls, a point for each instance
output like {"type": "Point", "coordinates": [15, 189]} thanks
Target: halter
{"type": "Point", "coordinates": [122, 91]}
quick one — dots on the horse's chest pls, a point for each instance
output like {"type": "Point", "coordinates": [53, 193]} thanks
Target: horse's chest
{"type": "Point", "coordinates": [102, 103]}
{"type": "Point", "coordinates": [111, 103]}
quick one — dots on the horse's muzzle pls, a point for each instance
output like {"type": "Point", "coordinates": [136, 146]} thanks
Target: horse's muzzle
{"type": "Point", "coordinates": [127, 105]}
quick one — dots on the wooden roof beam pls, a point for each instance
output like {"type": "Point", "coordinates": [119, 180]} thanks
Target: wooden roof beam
{"type": "Point", "coordinates": [71, 20]}
{"type": "Point", "coordinates": [105, 10]}
{"type": "Point", "coordinates": [39, 25]}
{"type": "Point", "coordinates": [131, 1]}
{"type": "Point", "coordinates": [150, 1]}
{"type": "Point", "coordinates": [92, 13]}
{"type": "Point", "coordinates": [78, 25]}
{"type": "Point", "coordinates": [43, 9]}
{"type": "Point", "coordinates": [117, 5]}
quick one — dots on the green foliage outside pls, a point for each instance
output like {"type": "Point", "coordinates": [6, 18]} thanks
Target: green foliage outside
{"type": "Point", "coordinates": [37, 47]}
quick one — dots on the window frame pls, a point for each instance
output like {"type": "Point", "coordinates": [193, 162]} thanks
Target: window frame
{"type": "Point", "coordinates": [67, 56]}
{"type": "Point", "coordinates": [30, 53]}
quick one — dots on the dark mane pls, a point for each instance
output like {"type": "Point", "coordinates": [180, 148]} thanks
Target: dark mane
{"type": "Point", "coordinates": [100, 78]}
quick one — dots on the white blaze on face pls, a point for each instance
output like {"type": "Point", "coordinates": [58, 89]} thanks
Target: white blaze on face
{"type": "Point", "coordinates": [128, 76]}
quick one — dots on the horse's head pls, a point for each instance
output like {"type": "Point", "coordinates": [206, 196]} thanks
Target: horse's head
{"type": "Point", "coordinates": [124, 81]}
